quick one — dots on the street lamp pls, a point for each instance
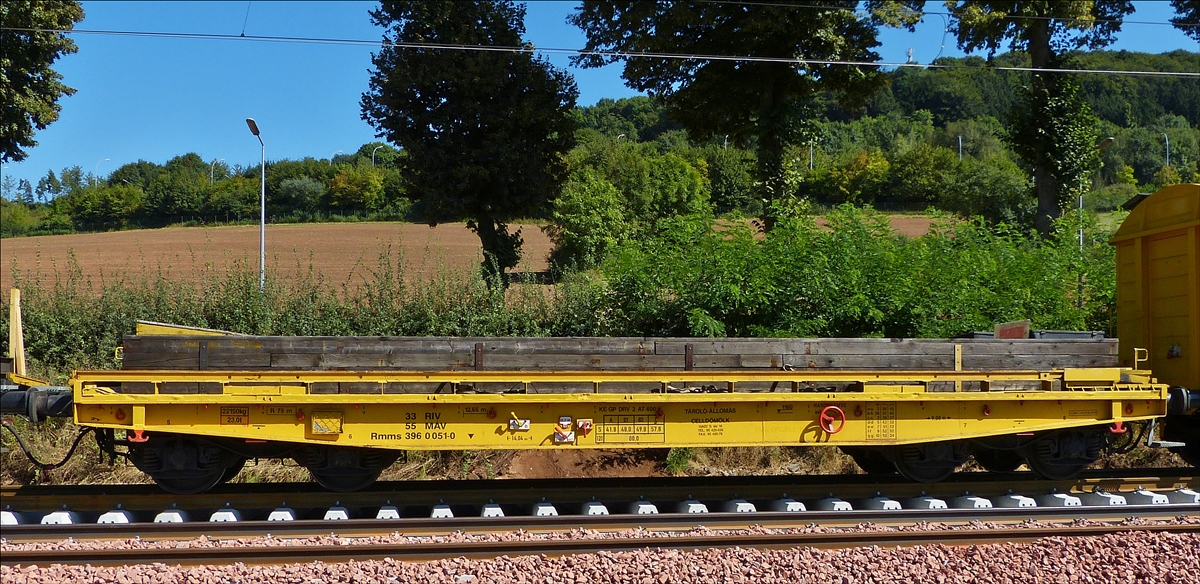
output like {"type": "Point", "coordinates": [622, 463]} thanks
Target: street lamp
{"type": "Point", "coordinates": [331, 157]}
{"type": "Point", "coordinates": [212, 170]}
{"type": "Point", "coordinates": [373, 155]}
{"type": "Point", "coordinates": [262, 217]}
{"type": "Point", "coordinates": [95, 170]}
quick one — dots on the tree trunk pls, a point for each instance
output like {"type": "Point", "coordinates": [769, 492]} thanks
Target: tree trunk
{"type": "Point", "coordinates": [1044, 185]}
{"type": "Point", "coordinates": [770, 153]}
{"type": "Point", "coordinates": [501, 249]}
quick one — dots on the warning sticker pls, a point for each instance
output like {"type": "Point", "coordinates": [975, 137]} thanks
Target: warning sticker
{"type": "Point", "coordinates": [235, 416]}
{"type": "Point", "coordinates": [881, 421]}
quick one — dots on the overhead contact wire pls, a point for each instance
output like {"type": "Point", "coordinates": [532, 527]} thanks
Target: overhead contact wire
{"type": "Point", "coordinates": [612, 54]}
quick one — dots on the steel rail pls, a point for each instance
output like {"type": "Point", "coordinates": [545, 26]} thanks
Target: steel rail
{"type": "Point", "coordinates": [424, 551]}
{"type": "Point", "coordinates": [147, 497]}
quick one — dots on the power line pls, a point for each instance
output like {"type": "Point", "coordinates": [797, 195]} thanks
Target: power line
{"type": "Point", "coordinates": [924, 12]}
{"type": "Point", "coordinates": [585, 52]}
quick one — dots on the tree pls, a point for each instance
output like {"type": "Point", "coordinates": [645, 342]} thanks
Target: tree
{"type": "Point", "coordinates": [30, 91]}
{"type": "Point", "coordinates": [484, 131]}
{"type": "Point", "coordinates": [760, 102]}
{"type": "Point", "coordinates": [1047, 30]}
{"type": "Point", "coordinates": [1188, 19]}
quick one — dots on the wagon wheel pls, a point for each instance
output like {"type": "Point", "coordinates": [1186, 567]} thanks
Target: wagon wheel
{"type": "Point", "coordinates": [343, 482]}
{"type": "Point", "coordinates": [233, 470]}
{"type": "Point", "coordinates": [187, 482]}
{"type": "Point", "coordinates": [928, 463]}
{"type": "Point", "coordinates": [183, 465]}
{"type": "Point", "coordinates": [1062, 455]}
{"type": "Point", "coordinates": [344, 469]}
{"type": "Point", "coordinates": [996, 460]}
{"type": "Point", "coordinates": [1190, 453]}
{"type": "Point", "coordinates": [870, 460]}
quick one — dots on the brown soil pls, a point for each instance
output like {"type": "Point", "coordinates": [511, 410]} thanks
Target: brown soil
{"type": "Point", "coordinates": [569, 464]}
{"type": "Point", "coordinates": [341, 252]}
{"type": "Point", "coordinates": [906, 225]}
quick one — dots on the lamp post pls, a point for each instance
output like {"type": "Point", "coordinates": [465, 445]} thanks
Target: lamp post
{"type": "Point", "coordinates": [1167, 139]}
{"type": "Point", "coordinates": [373, 155]}
{"type": "Point", "coordinates": [331, 157]}
{"type": "Point", "coordinates": [262, 209]}
{"type": "Point", "coordinates": [212, 170]}
{"type": "Point", "coordinates": [95, 170]}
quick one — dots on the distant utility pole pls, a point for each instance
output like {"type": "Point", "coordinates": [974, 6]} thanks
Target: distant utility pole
{"type": "Point", "coordinates": [1167, 139]}
{"type": "Point", "coordinates": [810, 154]}
{"type": "Point", "coordinates": [960, 148]}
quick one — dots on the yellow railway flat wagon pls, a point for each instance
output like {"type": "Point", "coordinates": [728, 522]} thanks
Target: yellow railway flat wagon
{"type": "Point", "coordinates": [194, 405]}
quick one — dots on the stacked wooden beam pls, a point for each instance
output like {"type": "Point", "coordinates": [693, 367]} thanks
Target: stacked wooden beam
{"type": "Point", "coordinates": [617, 353]}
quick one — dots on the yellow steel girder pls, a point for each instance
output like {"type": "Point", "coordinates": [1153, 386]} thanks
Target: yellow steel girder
{"type": "Point", "coordinates": [885, 408]}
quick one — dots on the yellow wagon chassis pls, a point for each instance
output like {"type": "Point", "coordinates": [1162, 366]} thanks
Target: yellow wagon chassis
{"type": "Point", "coordinates": [877, 408]}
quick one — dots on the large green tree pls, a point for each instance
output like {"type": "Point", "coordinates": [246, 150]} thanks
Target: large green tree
{"type": "Point", "coordinates": [29, 88]}
{"type": "Point", "coordinates": [1187, 17]}
{"type": "Point", "coordinates": [484, 132]}
{"type": "Point", "coordinates": [1050, 126]}
{"type": "Point", "coordinates": [760, 102]}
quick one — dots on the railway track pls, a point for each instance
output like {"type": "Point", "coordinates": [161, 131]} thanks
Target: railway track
{"type": "Point", "coordinates": [431, 508]}
{"type": "Point", "coordinates": [413, 495]}
{"type": "Point", "coordinates": [431, 550]}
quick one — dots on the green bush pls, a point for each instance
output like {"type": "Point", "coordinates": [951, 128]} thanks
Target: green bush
{"type": "Point", "coordinates": [855, 279]}
{"type": "Point", "coordinates": [587, 219]}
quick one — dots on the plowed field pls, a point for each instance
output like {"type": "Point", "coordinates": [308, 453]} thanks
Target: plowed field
{"type": "Point", "coordinates": [341, 252]}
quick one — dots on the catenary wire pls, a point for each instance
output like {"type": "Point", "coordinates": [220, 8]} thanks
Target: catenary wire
{"type": "Point", "coordinates": [586, 52]}
{"type": "Point", "coordinates": [923, 12]}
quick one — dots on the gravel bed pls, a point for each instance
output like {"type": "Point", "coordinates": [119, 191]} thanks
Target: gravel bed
{"type": "Point", "coordinates": [1132, 557]}
{"type": "Point", "coordinates": [522, 535]}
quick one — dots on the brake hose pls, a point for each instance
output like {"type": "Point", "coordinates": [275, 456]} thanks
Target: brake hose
{"type": "Point", "coordinates": [34, 460]}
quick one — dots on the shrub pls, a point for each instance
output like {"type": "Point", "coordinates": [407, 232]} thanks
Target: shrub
{"type": "Point", "coordinates": [586, 220]}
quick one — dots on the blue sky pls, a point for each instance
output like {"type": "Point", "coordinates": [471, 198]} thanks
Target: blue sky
{"type": "Point", "coordinates": [153, 99]}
